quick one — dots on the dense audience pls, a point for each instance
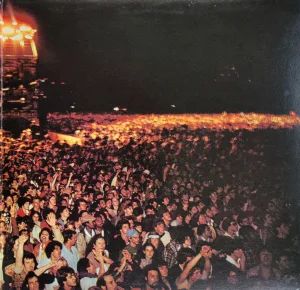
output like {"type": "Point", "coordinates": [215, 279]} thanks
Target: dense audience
{"type": "Point", "coordinates": [148, 208]}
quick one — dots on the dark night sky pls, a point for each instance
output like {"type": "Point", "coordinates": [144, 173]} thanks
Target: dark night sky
{"type": "Point", "coordinates": [209, 57]}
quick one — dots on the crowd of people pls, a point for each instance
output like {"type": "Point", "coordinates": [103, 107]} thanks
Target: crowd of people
{"type": "Point", "coordinates": [148, 208]}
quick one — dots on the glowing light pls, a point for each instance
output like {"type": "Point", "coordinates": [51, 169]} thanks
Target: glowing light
{"type": "Point", "coordinates": [17, 37]}
{"type": "Point", "coordinates": [25, 28]}
{"type": "Point", "coordinates": [22, 43]}
{"type": "Point", "coordinates": [7, 30]}
{"type": "Point", "coordinates": [28, 36]}
{"type": "Point", "coordinates": [32, 83]}
{"type": "Point", "coordinates": [116, 109]}
{"type": "Point", "coordinates": [1, 22]}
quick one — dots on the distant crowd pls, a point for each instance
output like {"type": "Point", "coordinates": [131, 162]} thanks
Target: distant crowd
{"type": "Point", "coordinates": [149, 208]}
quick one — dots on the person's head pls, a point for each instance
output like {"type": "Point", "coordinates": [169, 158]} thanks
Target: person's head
{"type": "Point", "coordinates": [66, 277]}
{"type": "Point", "coordinates": [159, 227]}
{"type": "Point", "coordinates": [63, 212]}
{"type": "Point", "coordinates": [107, 281]}
{"type": "Point", "coordinates": [283, 261]}
{"type": "Point", "coordinates": [52, 200]}
{"type": "Point", "coordinates": [265, 257]}
{"type": "Point", "coordinates": [29, 262]}
{"type": "Point", "coordinates": [133, 236]}
{"type": "Point", "coordinates": [185, 255]}
{"type": "Point", "coordinates": [85, 266]}
{"type": "Point", "coordinates": [268, 219]}
{"type": "Point", "coordinates": [229, 225]}
{"type": "Point", "coordinates": [202, 219]}
{"type": "Point", "coordinates": [2, 226]}
{"type": "Point", "coordinates": [69, 237]}
{"type": "Point", "coordinates": [53, 250]}
{"type": "Point", "coordinates": [123, 226]}
{"type": "Point", "coordinates": [128, 210]}
{"type": "Point", "coordinates": [233, 248]}
{"type": "Point", "coordinates": [204, 230]}
{"type": "Point", "coordinates": [152, 276]}
{"type": "Point", "coordinates": [36, 203]}
{"type": "Point", "coordinates": [46, 235]}
{"type": "Point", "coordinates": [149, 251]}
{"type": "Point", "coordinates": [31, 281]}
{"type": "Point", "coordinates": [282, 228]}
{"type": "Point", "coordinates": [163, 268]}
{"type": "Point", "coordinates": [100, 219]}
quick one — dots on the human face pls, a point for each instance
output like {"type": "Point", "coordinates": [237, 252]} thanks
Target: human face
{"type": "Point", "coordinates": [284, 263]}
{"type": "Point", "coordinates": [35, 218]}
{"type": "Point", "coordinates": [99, 222]}
{"type": "Point", "coordinates": [233, 226]}
{"type": "Point", "coordinates": [202, 219]}
{"type": "Point", "coordinates": [149, 252]}
{"type": "Point", "coordinates": [73, 240]}
{"type": "Point", "coordinates": [160, 228]}
{"type": "Point", "coordinates": [2, 242]}
{"type": "Point", "coordinates": [125, 228]}
{"type": "Point", "coordinates": [108, 203]}
{"type": "Point", "coordinates": [152, 278]}
{"type": "Point", "coordinates": [110, 282]}
{"type": "Point", "coordinates": [167, 216]}
{"type": "Point", "coordinates": [29, 265]}
{"type": "Point", "coordinates": [71, 280]}
{"type": "Point", "coordinates": [164, 271]}
{"type": "Point", "coordinates": [9, 201]}
{"type": "Point", "coordinates": [265, 258]}
{"type": "Point", "coordinates": [238, 253]}
{"type": "Point", "coordinates": [33, 283]}
{"type": "Point", "coordinates": [82, 206]}
{"type": "Point", "coordinates": [52, 201]}
{"type": "Point", "coordinates": [100, 245]}
{"type": "Point", "coordinates": [115, 202]}
{"type": "Point", "coordinates": [129, 211]}
{"type": "Point", "coordinates": [91, 268]}
{"type": "Point", "coordinates": [65, 213]}
{"type": "Point", "coordinates": [45, 237]}
{"type": "Point", "coordinates": [2, 227]}
{"type": "Point", "coordinates": [135, 240]}
{"type": "Point", "coordinates": [56, 253]}
{"type": "Point", "coordinates": [284, 229]}
{"type": "Point", "coordinates": [36, 204]}
{"type": "Point", "coordinates": [26, 205]}
{"type": "Point", "coordinates": [154, 242]}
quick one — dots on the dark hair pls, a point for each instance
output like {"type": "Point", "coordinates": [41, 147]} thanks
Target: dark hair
{"type": "Point", "coordinates": [68, 234]}
{"type": "Point", "coordinates": [226, 223]}
{"type": "Point", "coordinates": [121, 223]}
{"type": "Point", "coordinates": [183, 254]}
{"type": "Point", "coordinates": [157, 222]}
{"type": "Point", "coordinates": [201, 229]}
{"type": "Point", "coordinates": [51, 247]}
{"type": "Point", "coordinates": [60, 210]}
{"type": "Point", "coordinates": [82, 265]}
{"type": "Point", "coordinates": [231, 245]}
{"type": "Point", "coordinates": [51, 237]}
{"type": "Point", "coordinates": [62, 273]}
{"type": "Point", "coordinates": [29, 256]}
{"type": "Point", "coordinates": [29, 275]}
{"type": "Point", "coordinates": [46, 212]}
{"type": "Point", "coordinates": [101, 282]}
{"type": "Point", "coordinates": [92, 242]}
{"type": "Point", "coordinates": [36, 212]}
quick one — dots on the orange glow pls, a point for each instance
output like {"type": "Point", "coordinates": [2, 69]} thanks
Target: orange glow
{"type": "Point", "coordinates": [25, 28]}
{"type": "Point", "coordinates": [17, 37]}
{"type": "Point", "coordinates": [7, 30]}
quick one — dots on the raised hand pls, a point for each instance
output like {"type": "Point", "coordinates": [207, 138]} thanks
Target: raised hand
{"type": "Point", "coordinates": [23, 239]}
{"type": "Point", "coordinates": [51, 220]}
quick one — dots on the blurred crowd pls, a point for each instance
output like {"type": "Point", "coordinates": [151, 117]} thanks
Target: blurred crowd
{"type": "Point", "coordinates": [149, 207]}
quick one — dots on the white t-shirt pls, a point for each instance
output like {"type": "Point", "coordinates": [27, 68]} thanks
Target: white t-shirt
{"type": "Point", "coordinates": [86, 283]}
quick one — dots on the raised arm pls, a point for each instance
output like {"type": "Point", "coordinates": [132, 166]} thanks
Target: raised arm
{"type": "Point", "coordinates": [20, 252]}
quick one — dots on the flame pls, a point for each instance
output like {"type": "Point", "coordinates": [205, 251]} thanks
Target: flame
{"type": "Point", "coordinates": [7, 30]}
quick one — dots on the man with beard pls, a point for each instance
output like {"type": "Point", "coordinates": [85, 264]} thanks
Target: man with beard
{"type": "Point", "coordinates": [153, 280]}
